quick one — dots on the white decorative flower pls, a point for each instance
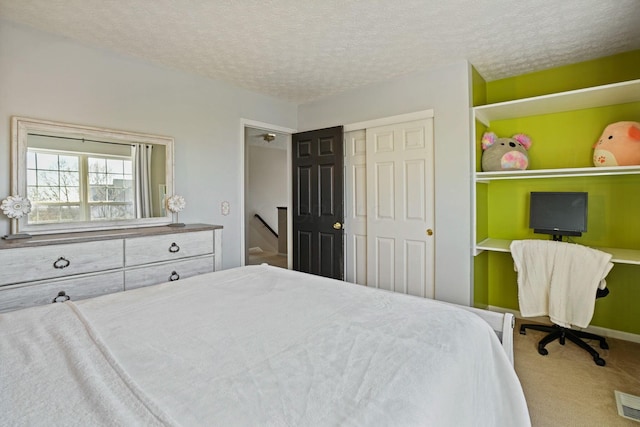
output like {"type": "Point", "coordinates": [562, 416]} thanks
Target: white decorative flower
{"type": "Point", "coordinates": [16, 206]}
{"type": "Point", "coordinates": [176, 203]}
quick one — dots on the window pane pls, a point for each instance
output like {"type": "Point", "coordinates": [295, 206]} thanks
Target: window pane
{"type": "Point", "coordinates": [117, 195]}
{"type": "Point", "coordinates": [31, 177]}
{"type": "Point", "coordinates": [31, 160]}
{"type": "Point", "coordinates": [97, 165]}
{"type": "Point", "coordinates": [32, 193]}
{"type": "Point", "coordinates": [98, 193]}
{"type": "Point", "coordinates": [48, 194]}
{"type": "Point", "coordinates": [69, 163]}
{"type": "Point", "coordinates": [48, 178]}
{"type": "Point", "coordinates": [48, 213]}
{"type": "Point", "coordinates": [70, 178]}
{"type": "Point", "coordinates": [47, 161]}
{"type": "Point", "coordinates": [115, 166]}
{"type": "Point", "coordinates": [99, 212]}
{"type": "Point", "coordinates": [98, 179]}
{"type": "Point", "coordinates": [54, 177]}
{"type": "Point", "coordinates": [121, 211]}
{"type": "Point", "coordinates": [127, 167]}
{"type": "Point", "coordinates": [70, 213]}
{"type": "Point", "coordinates": [33, 215]}
{"type": "Point", "coordinates": [71, 194]}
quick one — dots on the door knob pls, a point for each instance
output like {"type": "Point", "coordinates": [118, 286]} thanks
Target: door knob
{"type": "Point", "coordinates": [429, 232]}
{"type": "Point", "coordinates": [337, 226]}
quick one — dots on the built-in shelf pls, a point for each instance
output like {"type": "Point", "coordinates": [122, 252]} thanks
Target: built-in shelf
{"type": "Point", "coordinates": [621, 256]}
{"type": "Point", "coordinates": [557, 173]}
{"type": "Point", "coordinates": [593, 97]}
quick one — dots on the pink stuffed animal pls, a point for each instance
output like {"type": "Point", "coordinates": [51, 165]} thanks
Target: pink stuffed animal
{"type": "Point", "coordinates": [619, 145]}
{"type": "Point", "coordinates": [505, 153]}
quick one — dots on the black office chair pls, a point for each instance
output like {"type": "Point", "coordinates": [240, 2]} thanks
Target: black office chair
{"type": "Point", "coordinates": [560, 333]}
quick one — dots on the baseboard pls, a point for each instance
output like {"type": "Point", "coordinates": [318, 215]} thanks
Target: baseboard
{"type": "Point", "coordinates": [609, 333]}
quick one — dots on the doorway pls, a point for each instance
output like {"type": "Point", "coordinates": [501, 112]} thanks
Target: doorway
{"type": "Point", "coordinates": [266, 194]}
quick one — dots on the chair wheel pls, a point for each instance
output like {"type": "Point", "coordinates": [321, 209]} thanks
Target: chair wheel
{"type": "Point", "coordinates": [599, 361]}
{"type": "Point", "coordinates": [543, 351]}
{"type": "Point", "coordinates": [604, 345]}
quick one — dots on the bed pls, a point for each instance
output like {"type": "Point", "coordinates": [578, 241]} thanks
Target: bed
{"type": "Point", "coordinates": [256, 345]}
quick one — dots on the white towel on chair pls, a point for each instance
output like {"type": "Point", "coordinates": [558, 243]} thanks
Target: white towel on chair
{"type": "Point", "coordinates": [559, 279]}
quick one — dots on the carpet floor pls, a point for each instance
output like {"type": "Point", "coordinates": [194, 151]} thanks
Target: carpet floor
{"type": "Point", "coordinates": [271, 258]}
{"type": "Point", "coordinates": [566, 388]}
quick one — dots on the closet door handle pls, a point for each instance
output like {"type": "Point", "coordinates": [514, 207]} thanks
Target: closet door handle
{"type": "Point", "coordinates": [174, 248]}
{"type": "Point", "coordinates": [61, 263]}
{"type": "Point", "coordinates": [174, 276]}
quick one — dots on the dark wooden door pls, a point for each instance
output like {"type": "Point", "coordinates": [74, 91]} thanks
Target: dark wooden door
{"type": "Point", "coordinates": [317, 202]}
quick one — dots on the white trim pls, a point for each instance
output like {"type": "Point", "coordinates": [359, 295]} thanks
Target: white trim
{"type": "Point", "coordinates": [609, 333]}
{"type": "Point", "coordinates": [262, 125]}
{"type": "Point", "coordinates": [392, 120]}
{"type": "Point", "coordinates": [247, 123]}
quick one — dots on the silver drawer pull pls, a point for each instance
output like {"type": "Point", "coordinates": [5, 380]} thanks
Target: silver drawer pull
{"type": "Point", "coordinates": [174, 248]}
{"type": "Point", "coordinates": [174, 276]}
{"type": "Point", "coordinates": [62, 297]}
{"type": "Point", "coordinates": [61, 263]}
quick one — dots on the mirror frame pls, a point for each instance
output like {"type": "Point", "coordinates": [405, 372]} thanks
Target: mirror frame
{"type": "Point", "coordinates": [20, 129]}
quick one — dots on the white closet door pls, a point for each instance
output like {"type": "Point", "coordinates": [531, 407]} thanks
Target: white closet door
{"type": "Point", "coordinates": [400, 207]}
{"type": "Point", "coordinates": [355, 215]}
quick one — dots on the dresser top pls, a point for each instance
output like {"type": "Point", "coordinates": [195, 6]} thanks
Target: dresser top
{"type": "Point", "coordinates": [91, 236]}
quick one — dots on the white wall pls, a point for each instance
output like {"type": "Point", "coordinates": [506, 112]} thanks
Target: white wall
{"type": "Point", "coordinates": [445, 90]}
{"type": "Point", "coordinates": [49, 77]}
{"type": "Point", "coordinates": [53, 78]}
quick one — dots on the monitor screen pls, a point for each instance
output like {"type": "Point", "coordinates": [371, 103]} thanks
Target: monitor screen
{"type": "Point", "coordinates": [558, 213]}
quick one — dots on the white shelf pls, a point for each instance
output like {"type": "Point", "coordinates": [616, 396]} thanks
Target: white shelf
{"type": "Point", "coordinates": [557, 173]}
{"type": "Point", "coordinates": [598, 96]}
{"type": "Point", "coordinates": [620, 256]}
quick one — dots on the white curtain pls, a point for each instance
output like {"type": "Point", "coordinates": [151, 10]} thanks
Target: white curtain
{"type": "Point", "coordinates": [142, 180]}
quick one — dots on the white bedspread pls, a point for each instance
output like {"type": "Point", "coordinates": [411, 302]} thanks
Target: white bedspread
{"type": "Point", "coordinates": [266, 346]}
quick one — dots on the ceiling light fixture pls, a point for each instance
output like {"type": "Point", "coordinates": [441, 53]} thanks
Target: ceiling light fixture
{"type": "Point", "coordinates": [268, 137]}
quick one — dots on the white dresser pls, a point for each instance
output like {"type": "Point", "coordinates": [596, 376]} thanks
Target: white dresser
{"type": "Point", "coordinates": [83, 265]}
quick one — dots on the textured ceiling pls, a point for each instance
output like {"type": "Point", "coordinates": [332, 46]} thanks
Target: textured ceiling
{"type": "Point", "coordinates": [301, 50]}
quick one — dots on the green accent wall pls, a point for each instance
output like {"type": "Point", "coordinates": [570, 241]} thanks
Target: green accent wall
{"type": "Point", "coordinates": [610, 69]}
{"type": "Point", "coordinates": [562, 140]}
{"type": "Point", "coordinates": [479, 88]}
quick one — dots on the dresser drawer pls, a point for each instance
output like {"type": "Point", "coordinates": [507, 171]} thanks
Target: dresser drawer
{"type": "Point", "coordinates": [167, 247]}
{"type": "Point", "coordinates": [27, 264]}
{"type": "Point", "coordinates": [77, 288]}
{"type": "Point", "coordinates": [166, 272]}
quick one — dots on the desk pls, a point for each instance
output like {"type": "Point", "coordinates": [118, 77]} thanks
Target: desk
{"type": "Point", "coordinates": [620, 256]}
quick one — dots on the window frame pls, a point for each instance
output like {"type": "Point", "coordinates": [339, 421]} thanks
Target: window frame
{"type": "Point", "coordinates": [84, 202]}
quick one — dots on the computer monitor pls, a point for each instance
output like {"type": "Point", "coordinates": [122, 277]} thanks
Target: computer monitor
{"type": "Point", "coordinates": [558, 213]}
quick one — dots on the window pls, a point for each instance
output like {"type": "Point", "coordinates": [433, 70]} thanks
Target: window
{"type": "Point", "coordinates": [67, 186]}
{"type": "Point", "coordinates": [110, 188]}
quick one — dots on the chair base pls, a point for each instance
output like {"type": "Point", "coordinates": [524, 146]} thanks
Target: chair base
{"type": "Point", "coordinates": [561, 334]}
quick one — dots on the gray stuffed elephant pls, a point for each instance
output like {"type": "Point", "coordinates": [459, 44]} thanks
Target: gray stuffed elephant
{"type": "Point", "coordinates": [505, 153]}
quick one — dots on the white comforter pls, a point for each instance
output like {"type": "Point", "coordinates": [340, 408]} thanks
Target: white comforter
{"type": "Point", "coordinates": [255, 346]}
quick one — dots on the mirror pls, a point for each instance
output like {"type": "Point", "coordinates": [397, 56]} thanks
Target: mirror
{"type": "Point", "coordinates": [81, 178]}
